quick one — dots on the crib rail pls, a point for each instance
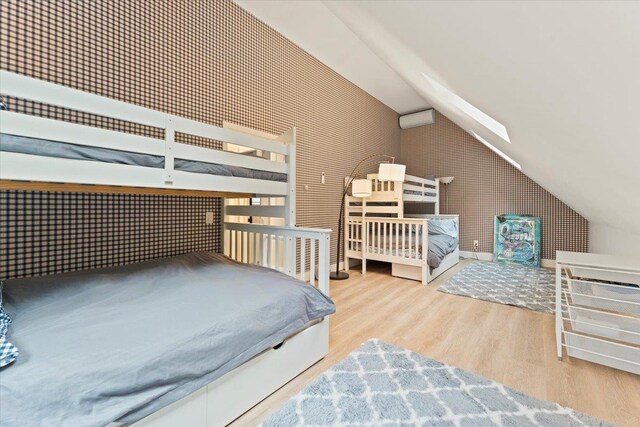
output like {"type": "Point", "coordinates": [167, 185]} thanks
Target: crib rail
{"type": "Point", "coordinates": [354, 238]}
{"type": "Point", "coordinates": [381, 237]}
{"type": "Point", "coordinates": [302, 253]}
{"type": "Point", "coordinates": [395, 239]}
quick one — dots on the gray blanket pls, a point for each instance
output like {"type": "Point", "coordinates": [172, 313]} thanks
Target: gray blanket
{"type": "Point", "coordinates": [118, 344]}
{"type": "Point", "coordinates": [44, 147]}
{"type": "Point", "coordinates": [440, 245]}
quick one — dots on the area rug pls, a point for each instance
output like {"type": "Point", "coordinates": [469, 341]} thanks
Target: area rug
{"type": "Point", "coordinates": [383, 385]}
{"type": "Point", "coordinates": [532, 288]}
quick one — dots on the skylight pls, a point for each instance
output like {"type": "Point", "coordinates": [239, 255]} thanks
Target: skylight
{"type": "Point", "coordinates": [452, 99]}
{"type": "Point", "coordinates": [498, 152]}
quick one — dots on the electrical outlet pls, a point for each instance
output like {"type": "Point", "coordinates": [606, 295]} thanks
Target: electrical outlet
{"type": "Point", "coordinates": [476, 245]}
{"type": "Point", "coordinates": [208, 219]}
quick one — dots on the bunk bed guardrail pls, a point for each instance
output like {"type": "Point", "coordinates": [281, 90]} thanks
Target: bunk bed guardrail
{"type": "Point", "coordinates": [413, 189]}
{"type": "Point", "coordinates": [28, 167]}
{"type": "Point", "coordinates": [276, 248]}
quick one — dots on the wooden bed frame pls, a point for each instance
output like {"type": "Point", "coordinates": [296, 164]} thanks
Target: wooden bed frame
{"type": "Point", "coordinates": [371, 236]}
{"type": "Point", "coordinates": [286, 248]}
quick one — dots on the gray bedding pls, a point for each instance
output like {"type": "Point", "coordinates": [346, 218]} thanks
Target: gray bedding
{"type": "Point", "coordinates": [120, 343]}
{"type": "Point", "coordinates": [440, 245]}
{"type": "Point", "coordinates": [44, 147]}
{"type": "Point", "coordinates": [443, 239]}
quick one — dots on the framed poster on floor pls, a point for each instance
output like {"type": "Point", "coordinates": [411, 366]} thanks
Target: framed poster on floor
{"type": "Point", "coordinates": [517, 239]}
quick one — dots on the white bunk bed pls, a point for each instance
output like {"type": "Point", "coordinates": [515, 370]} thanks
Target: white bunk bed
{"type": "Point", "coordinates": [287, 248]}
{"type": "Point", "coordinates": [376, 228]}
{"type": "Point", "coordinates": [389, 198]}
{"type": "Point", "coordinates": [598, 309]}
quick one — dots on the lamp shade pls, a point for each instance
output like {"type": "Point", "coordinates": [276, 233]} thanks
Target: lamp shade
{"type": "Point", "coordinates": [391, 172]}
{"type": "Point", "coordinates": [361, 188]}
{"type": "Point", "coordinates": [447, 179]}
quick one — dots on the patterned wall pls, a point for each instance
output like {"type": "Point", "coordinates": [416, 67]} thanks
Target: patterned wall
{"type": "Point", "coordinates": [484, 186]}
{"type": "Point", "coordinates": [209, 61]}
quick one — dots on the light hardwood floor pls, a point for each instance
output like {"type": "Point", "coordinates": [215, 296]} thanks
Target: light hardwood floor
{"type": "Point", "coordinates": [510, 345]}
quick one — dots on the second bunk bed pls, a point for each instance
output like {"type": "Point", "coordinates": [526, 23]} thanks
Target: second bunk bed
{"type": "Point", "coordinates": [419, 246]}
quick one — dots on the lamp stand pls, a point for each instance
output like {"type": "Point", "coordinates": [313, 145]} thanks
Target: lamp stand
{"type": "Point", "coordinates": [337, 274]}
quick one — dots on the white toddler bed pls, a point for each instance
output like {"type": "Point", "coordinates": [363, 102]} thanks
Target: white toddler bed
{"type": "Point", "coordinates": [378, 229]}
{"type": "Point", "coordinates": [414, 252]}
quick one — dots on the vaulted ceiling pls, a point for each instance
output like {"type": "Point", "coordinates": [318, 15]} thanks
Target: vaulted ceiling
{"type": "Point", "coordinates": [562, 77]}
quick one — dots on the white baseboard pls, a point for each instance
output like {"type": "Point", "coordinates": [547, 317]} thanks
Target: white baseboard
{"type": "Point", "coordinates": [486, 256]}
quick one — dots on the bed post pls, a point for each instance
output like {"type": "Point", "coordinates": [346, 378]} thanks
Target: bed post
{"type": "Point", "coordinates": [223, 228]}
{"type": "Point", "coordinates": [324, 263]}
{"type": "Point", "coordinates": [290, 138]}
{"type": "Point", "coordinates": [169, 142]}
{"type": "Point", "coordinates": [425, 244]}
{"type": "Point", "coordinates": [365, 244]}
{"type": "Point", "coordinates": [436, 206]}
{"type": "Point", "coordinates": [558, 308]}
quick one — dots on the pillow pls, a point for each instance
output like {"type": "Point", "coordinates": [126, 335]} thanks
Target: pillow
{"type": "Point", "coordinates": [8, 351]}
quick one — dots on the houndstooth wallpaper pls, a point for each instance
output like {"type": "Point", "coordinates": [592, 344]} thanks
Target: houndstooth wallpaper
{"type": "Point", "coordinates": [485, 185]}
{"type": "Point", "coordinates": [209, 61]}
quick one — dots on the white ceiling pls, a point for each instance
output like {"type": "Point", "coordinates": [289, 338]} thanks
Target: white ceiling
{"type": "Point", "coordinates": [313, 27]}
{"type": "Point", "coordinates": [563, 77]}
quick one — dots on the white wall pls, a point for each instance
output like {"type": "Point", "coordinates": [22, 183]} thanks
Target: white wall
{"type": "Point", "coordinates": [609, 240]}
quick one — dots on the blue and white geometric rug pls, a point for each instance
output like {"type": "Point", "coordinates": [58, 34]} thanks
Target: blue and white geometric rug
{"type": "Point", "coordinates": [520, 286]}
{"type": "Point", "coordinates": [383, 385]}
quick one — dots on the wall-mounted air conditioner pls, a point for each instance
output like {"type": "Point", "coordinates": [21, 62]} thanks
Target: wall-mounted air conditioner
{"type": "Point", "coordinates": [420, 118]}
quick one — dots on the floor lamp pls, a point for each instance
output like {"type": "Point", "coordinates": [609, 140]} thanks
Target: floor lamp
{"type": "Point", "coordinates": [446, 180]}
{"type": "Point", "coordinates": [362, 188]}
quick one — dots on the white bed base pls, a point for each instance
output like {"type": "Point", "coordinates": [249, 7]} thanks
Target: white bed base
{"type": "Point", "coordinates": [596, 321]}
{"type": "Point", "coordinates": [287, 248]}
{"type": "Point", "coordinates": [394, 240]}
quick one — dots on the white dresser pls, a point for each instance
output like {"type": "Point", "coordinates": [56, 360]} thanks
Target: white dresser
{"type": "Point", "coordinates": [597, 318]}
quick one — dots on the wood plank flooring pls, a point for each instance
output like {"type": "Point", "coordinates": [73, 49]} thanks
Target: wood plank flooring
{"type": "Point", "coordinates": [510, 345]}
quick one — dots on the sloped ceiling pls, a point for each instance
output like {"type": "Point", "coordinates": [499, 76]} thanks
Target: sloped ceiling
{"type": "Point", "coordinates": [313, 27]}
{"type": "Point", "coordinates": [562, 77]}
